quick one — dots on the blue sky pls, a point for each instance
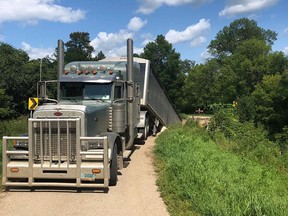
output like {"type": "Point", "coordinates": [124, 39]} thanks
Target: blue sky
{"type": "Point", "coordinates": [190, 25]}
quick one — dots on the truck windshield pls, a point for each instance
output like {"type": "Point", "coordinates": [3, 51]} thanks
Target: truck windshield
{"type": "Point", "coordinates": [85, 91]}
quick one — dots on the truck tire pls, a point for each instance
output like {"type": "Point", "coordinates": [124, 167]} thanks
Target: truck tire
{"type": "Point", "coordinates": [145, 130]}
{"type": "Point", "coordinates": [113, 168]}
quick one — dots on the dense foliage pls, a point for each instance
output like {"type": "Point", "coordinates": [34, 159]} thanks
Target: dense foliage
{"type": "Point", "coordinates": [18, 79]}
{"type": "Point", "coordinates": [78, 48]}
{"type": "Point", "coordinates": [246, 71]}
{"type": "Point", "coordinates": [199, 175]}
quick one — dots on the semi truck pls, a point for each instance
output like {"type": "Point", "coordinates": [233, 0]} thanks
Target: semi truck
{"type": "Point", "coordinates": [82, 138]}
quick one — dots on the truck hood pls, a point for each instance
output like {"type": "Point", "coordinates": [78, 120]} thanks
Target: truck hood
{"type": "Point", "coordinates": [82, 107]}
{"type": "Point", "coordinates": [94, 118]}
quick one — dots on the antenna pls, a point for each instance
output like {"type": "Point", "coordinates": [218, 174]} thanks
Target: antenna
{"type": "Point", "coordinates": [41, 64]}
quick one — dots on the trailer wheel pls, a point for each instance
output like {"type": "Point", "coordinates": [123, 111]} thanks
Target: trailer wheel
{"type": "Point", "coordinates": [145, 130]}
{"type": "Point", "coordinates": [113, 168]}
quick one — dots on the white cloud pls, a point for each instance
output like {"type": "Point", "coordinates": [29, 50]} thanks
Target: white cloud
{"type": "Point", "coordinates": [31, 11]}
{"type": "Point", "coordinates": [111, 44]}
{"type": "Point", "coordinates": [286, 30]}
{"type": "Point", "coordinates": [37, 53]}
{"type": "Point", "coordinates": [198, 41]}
{"type": "Point", "coordinates": [206, 55]}
{"type": "Point", "coordinates": [235, 7]}
{"type": "Point", "coordinates": [286, 51]}
{"type": "Point", "coordinates": [136, 23]}
{"type": "Point", "coordinates": [147, 37]}
{"type": "Point", "coordinates": [2, 36]}
{"type": "Point", "coordinates": [190, 33]}
{"type": "Point", "coordinates": [148, 6]}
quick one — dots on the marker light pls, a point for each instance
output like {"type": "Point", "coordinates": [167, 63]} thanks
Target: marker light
{"type": "Point", "coordinates": [103, 68]}
{"type": "Point", "coordinates": [96, 171]}
{"type": "Point", "coordinates": [82, 69]}
{"type": "Point", "coordinates": [14, 169]}
{"type": "Point", "coordinates": [91, 68]}
{"type": "Point", "coordinates": [73, 69]}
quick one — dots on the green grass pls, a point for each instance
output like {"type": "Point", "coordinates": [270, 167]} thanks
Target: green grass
{"type": "Point", "coordinates": [197, 177]}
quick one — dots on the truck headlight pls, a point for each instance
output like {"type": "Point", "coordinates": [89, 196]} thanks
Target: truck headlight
{"type": "Point", "coordinates": [20, 144]}
{"type": "Point", "coordinates": [88, 145]}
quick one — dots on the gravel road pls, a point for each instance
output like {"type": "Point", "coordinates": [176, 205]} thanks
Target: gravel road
{"type": "Point", "coordinates": [135, 194]}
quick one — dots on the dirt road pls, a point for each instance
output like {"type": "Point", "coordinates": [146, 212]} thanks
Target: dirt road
{"type": "Point", "coordinates": [135, 194]}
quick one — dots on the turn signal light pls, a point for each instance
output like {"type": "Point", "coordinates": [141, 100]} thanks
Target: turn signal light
{"type": "Point", "coordinates": [96, 171]}
{"type": "Point", "coordinates": [14, 169]}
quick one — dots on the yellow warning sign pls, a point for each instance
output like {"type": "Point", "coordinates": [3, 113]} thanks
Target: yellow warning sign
{"type": "Point", "coordinates": [32, 103]}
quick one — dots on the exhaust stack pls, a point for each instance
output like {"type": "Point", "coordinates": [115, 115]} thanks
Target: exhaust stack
{"type": "Point", "coordinates": [130, 69]}
{"type": "Point", "coordinates": [130, 93]}
{"type": "Point", "coordinates": [60, 66]}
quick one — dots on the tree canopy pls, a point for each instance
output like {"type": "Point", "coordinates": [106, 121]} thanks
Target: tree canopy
{"type": "Point", "coordinates": [19, 76]}
{"type": "Point", "coordinates": [78, 48]}
{"type": "Point", "coordinates": [231, 37]}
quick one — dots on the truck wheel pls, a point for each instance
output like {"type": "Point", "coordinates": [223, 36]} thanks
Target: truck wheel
{"type": "Point", "coordinates": [113, 168]}
{"type": "Point", "coordinates": [147, 127]}
{"type": "Point", "coordinates": [145, 130]}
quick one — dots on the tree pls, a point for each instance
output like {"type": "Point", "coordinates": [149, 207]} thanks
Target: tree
{"type": "Point", "coordinates": [78, 47]}
{"type": "Point", "coordinates": [239, 31]}
{"type": "Point", "coordinates": [100, 55]}
{"type": "Point", "coordinates": [249, 63]}
{"type": "Point", "coordinates": [277, 63]}
{"type": "Point", "coordinates": [4, 105]}
{"type": "Point", "coordinates": [269, 104]}
{"type": "Point", "coordinates": [186, 66]}
{"type": "Point", "coordinates": [199, 86]}
{"type": "Point", "coordinates": [165, 63]}
{"type": "Point", "coordinates": [19, 77]}
{"type": "Point", "coordinates": [225, 83]}
{"type": "Point", "coordinates": [13, 76]}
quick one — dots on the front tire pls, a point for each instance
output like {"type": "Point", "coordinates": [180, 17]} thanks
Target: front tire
{"type": "Point", "coordinates": [113, 168]}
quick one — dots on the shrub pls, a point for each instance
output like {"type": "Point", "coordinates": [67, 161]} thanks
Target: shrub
{"type": "Point", "coordinates": [243, 138]}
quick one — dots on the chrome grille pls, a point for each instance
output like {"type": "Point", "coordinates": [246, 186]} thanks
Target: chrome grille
{"type": "Point", "coordinates": [54, 140]}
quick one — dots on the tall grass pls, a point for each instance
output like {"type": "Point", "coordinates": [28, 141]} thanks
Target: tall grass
{"type": "Point", "coordinates": [246, 140]}
{"type": "Point", "coordinates": [197, 177]}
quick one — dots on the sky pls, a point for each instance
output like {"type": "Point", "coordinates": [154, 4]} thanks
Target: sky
{"type": "Point", "coordinates": [189, 25]}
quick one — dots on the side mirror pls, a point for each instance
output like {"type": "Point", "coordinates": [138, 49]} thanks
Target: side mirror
{"type": "Point", "coordinates": [41, 90]}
